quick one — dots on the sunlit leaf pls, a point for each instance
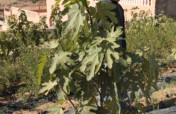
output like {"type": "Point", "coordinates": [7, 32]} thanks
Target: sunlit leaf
{"type": "Point", "coordinates": [48, 86]}
{"type": "Point", "coordinates": [90, 62]}
{"type": "Point", "coordinates": [60, 60]}
{"type": "Point", "coordinates": [52, 44]}
{"type": "Point", "coordinates": [75, 20]}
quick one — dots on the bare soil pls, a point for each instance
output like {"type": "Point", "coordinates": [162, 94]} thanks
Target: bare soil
{"type": "Point", "coordinates": [12, 104]}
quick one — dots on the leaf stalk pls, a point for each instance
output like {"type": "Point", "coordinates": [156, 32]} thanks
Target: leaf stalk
{"type": "Point", "coordinates": [60, 86]}
{"type": "Point", "coordinates": [87, 9]}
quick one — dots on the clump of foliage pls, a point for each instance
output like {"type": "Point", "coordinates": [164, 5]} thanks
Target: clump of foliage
{"type": "Point", "coordinates": [21, 34]}
{"type": "Point", "coordinates": [18, 76]}
{"type": "Point", "coordinates": [155, 33]}
{"type": "Point", "coordinates": [89, 60]}
{"type": "Point", "coordinates": [20, 49]}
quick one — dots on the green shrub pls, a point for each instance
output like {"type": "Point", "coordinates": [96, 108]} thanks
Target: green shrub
{"type": "Point", "coordinates": [20, 50]}
{"type": "Point", "coordinates": [19, 76]}
{"type": "Point", "coordinates": [21, 34]}
{"type": "Point", "coordinates": [157, 34]}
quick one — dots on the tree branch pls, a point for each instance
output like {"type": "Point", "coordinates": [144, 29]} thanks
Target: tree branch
{"type": "Point", "coordinates": [92, 82]}
{"type": "Point", "coordinates": [101, 97]}
{"type": "Point", "coordinates": [87, 9]}
{"type": "Point", "coordinates": [60, 86]}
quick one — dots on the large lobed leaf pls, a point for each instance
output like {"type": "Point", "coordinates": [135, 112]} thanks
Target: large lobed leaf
{"type": "Point", "coordinates": [104, 13]}
{"type": "Point", "coordinates": [52, 44]}
{"type": "Point", "coordinates": [48, 86]}
{"type": "Point", "coordinates": [76, 19]}
{"type": "Point", "coordinates": [61, 59]}
{"type": "Point", "coordinates": [109, 44]}
{"type": "Point", "coordinates": [90, 62]}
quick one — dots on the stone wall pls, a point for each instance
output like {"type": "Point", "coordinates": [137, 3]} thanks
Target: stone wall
{"type": "Point", "coordinates": [166, 6]}
{"type": "Point", "coordinates": [141, 5]}
{"type": "Point", "coordinates": [160, 6]}
{"type": "Point", "coordinates": [171, 8]}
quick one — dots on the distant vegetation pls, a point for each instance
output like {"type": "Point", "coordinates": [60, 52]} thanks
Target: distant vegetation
{"type": "Point", "coordinates": [19, 55]}
{"type": "Point", "coordinates": [155, 34]}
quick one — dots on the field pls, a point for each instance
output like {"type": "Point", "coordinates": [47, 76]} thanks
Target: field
{"type": "Point", "coordinates": [81, 66]}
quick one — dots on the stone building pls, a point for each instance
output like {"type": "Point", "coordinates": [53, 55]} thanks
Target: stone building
{"type": "Point", "coordinates": [35, 12]}
{"type": "Point", "coordinates": [154, 6]}
{"type": "Point", "coordinates": [50, 6]}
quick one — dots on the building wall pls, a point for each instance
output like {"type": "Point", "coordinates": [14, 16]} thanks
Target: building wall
{"type": "Point", "coordinates": [126, 4]}
{"type": "Point", "coordinates": [34, 7]}
{"type": "Point", "coordinates": [155, 7]}
{"type": "Point", "coordinates": [160, 6]}
{"type": "Point", "coordinates": [3, 26]}
{"type": "Point", "coordinates": [42, 14]}
{"type": "Point", "coordinates": [93, 2]}
{"type": "Point", "coordinates": [166, 6]}
{"type": "Point", "coordinates": [31, 15]}
{"type": "Point", "coordinates": [7, 13]}
{"type": "Point", "coordinates": [145, 5]}
{"type": "Point", "coordinates": [171, 8]}
{"type": "Point", "coordinates": [50, 6]}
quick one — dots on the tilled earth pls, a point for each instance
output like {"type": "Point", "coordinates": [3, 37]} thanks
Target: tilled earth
{"type": "Point", "coordinates": [163, 98]}
{"type": "Point", "coordinates": [12, 105]}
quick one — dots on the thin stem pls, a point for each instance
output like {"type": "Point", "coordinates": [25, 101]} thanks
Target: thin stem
{"type": "Point", "coordinates": [60, 86]}
{"type": "Point", "coordinates": [87, 9]}
{"type": "Point", "coordinates": [101, 97]}
{"type": "Point", "coordinates": [92, 82]}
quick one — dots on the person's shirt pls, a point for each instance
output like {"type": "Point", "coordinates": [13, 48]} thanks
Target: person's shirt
{"type": "Point", "coordinates": [121, 18]}
{"type": "Point", "coordinates": [119, 12]}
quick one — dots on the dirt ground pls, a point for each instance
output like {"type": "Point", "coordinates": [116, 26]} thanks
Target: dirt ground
{"type": "Point", "coordinates": [39, 107]}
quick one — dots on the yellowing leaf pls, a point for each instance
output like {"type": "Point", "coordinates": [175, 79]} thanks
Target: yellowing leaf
{"type": "Point", "coordinates": [40, 67]}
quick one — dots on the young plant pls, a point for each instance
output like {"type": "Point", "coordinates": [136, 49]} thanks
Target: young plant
{"type": "Point", "coordinates": [89, 60]}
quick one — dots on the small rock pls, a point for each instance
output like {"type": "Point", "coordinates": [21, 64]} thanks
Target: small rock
{"type": "Point", "coordinates": [168, 79]}
{"type": "Point", "coordinates": [168, 96]}
{"type": "Point", "coordinates": [18, 103]}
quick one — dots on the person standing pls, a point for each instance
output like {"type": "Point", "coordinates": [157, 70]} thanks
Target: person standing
{"type": "Point", "coordinates": [119, 14]}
